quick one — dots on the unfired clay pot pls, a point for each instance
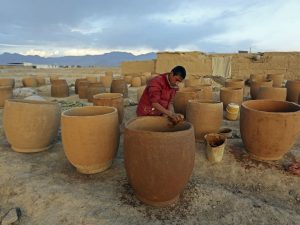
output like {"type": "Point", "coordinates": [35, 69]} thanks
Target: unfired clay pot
{"type": "Point", "coordinates": [276, 78]}
{"type": "Point", "coordinates": [231, 95]}
{"type": "Point", "coordinates": [235, 83]}
{"type": "Point", "coordinates": [256, 84]}
{"type": "Point", "coordinates": [159, 158]}
{"type": "Point", "coordinates": [82, 89]}
{"type": "Point", "coordinates": [53, 77]}
{"type": "Point", "coordinates": [136, 82]}
{"type": "Point", "coordinates": [269, 128]}
{"type": "Point", "coordinates": [29, 82]}
{"type": "Point", "coordinates": [272, 93]}
{"type": "Point", "coordinates": [140, 92]}
{"type": "Point", "coordinates": [143, 80]}
{"type": "Point", "coordinates": [113, 100]}
{"type": "Point", "coordinates": [119, 86]}
{"type": "Point", "coordinates": [91, 79]}
{"type": "Point", "coordinates": [106, 80]}
{"type": "Point", "coordinates": [77, 83]}
{"type": "Point", "coordinates": [93, 89]}
{"type": "Point", "coordinates": [257, 77]}
{"type": "Point", "coordinates": [31, 126]}
{"type": "Point", "coordinates": [206, 117]}
{"type": "Point", "coordinates": [192, 82]}
{"type": "Point", "coordinates": [207, 91]}
{"type": "Point", "coordinates": [41, 81]}
{"type": "Point", "coordinates": [90, 137]}
{"type": "Point", "coordinates": [293, 90]}
{"type": "Point", "coordinates": [128, 79]}
{"type": "Point", "coordinates": [5, 93]}
{"type": "Point", "coordinates": [7, 82]}
{"type": "Point", "coordinates": [59, 88]}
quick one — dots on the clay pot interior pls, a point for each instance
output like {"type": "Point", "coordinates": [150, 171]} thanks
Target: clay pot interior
{"type": "Point", "coordinates": [215, 140]}
{"type": "Point", "coordinates": [272, 106]}
{"type": "Point", "coordinates": [227, 132]}
{"type": "Point", "coordinates": [86, 111]}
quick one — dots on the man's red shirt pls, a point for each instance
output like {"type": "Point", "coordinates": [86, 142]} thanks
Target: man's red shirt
{"type": "Point", "coordinates": [158, 90]}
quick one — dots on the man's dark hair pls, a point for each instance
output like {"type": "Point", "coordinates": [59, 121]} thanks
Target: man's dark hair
{"type": "Point", "coordinates": [179, 71]}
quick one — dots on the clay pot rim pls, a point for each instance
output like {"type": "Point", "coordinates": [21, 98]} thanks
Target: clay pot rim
{"type": "Point", "coordinates": [34, 102]}
{"type": "Point", "coordinates": [274, 88]}
{"type": "Point", "coordinates": [201, 85]}
{"type": "Point", "coordinates": [245, 103]}
{"type": "Point", "coordinates": [262, 81]}
{"type": "Point", "coordinates": [108, 96]}
{"type": "Point", "coordinates": [224, 130]}
{"type": "Point", "coordinates": [275, 74]}
{"type": "Point", "coordinates": [231, 88]}
{"type": "Point", "coordinates": [189, 90]}
{"type": "Point", "coordinates": [174, 133]}
{"type": "Point", "coordinates": [204, 101]}
{"type": "Point", "coordinates": [234, 80]}
{"type": "Point", "coordinates": [222, 136]}
{"type": "Point", "coordinates": [65, 113]}
{"type": "Point", "coordinates": [293, 81]}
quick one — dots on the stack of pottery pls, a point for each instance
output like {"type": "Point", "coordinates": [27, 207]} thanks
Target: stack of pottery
{"type": "Point", "coordinates": [7, 82]}
{"type": "Point", "coordinates": [159, 158]}
{"type": "Point", "coordinates": [29, 82]}
{"type": "Point", "coordinates": [77, 84]}
{"type": "Point", "coordinates": [136, 82]}
{"type": "Point", "coordinates": [82, 89]}
{"type": "Point", "coordinates": [31, 126]}
{"type": "Point", "coordinates": [113, 100]}
{"type": "Point", "coordinates": [93, 89]}
{"type": "Point", "coordinates": [59, 88]}
{"type": "Point", "coordinates": [206, 117]}
{"type": "Point", "coordinates": [6, 92]}
{"type": "Point", "coordinates": [90, 137]}
{"type": "Point", "coordinates": [119, 86]}
{"type": "Point", "coordinates": [231, 95]}
{"type": "Point", "coordinates": [276, 78]}
{"type": "Point", "coordinates": [269, 128]}
{"type": "Point", "coordinates": [293, 90]}
{"type": "Point", "coordinates": [273, 93]}
{"type": "Point", "coordinates": [215, 145]}
{"type": "Point", "coordinates": [256, 84]}
{"type": "Point", "coordinates": [232, 111]}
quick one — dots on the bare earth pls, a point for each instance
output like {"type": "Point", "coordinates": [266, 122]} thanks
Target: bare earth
{"type": "Point", "coordinates": [238, 190]}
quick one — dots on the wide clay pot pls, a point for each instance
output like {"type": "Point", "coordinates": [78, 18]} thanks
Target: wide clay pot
{"type": "Point", "coordinates": [256, 84]}
{"type": "Point", "coordinates": [106, 80]}
{"type": "Point", "coordinates": [269, 128]}
{"type": "Point", "coordinates": [293, 90]}
{"type": "Point", "coordinates": [140, 92]}
{"type": "Point", "coordinates": [207, 91]}
{"type": "Point", "coordinates": [113, 100]}
{"type": "Point", "coordinates": [272, 93]}
{"type": "Point", "coordinates": [136, 82]}
{"type": "Point", "coordinates": [82, 89]}
{"type": "Point", "coordinates": [59, 88]}
{"type": "Point", "coordinates": [183, 96]}
{"type": "Point", "coordinates": [29, 82]}
{"type": "Point", "coordinates": [5, 93]}
{"type": "Point", "coordinates": [90, 137]}
{"type": "Point", "coordinates": [159, 158]}
{"type": "Point", "coordinates": [31, 125]}
{"type": "Point", "coordinates": [77, 83]}
{"type": "Point", "coordinates": [119, 86]}
{"type": "Point", "coordinates": [276, 78]}
{"type": "Point", "coordinates": [93, 89]}
{"type": "Point", "coordinates": [91, 79]}
{"type": "Point", "coordinates": [235, 83]}
{"type": "Point", "coordinates": [206, 117]}
{"type": "Point", "coordinates": [41, 81]}
{"type": "Point", "coordinates": [231, 95]}
{"type": "Point", "coordinates": [7, 82]}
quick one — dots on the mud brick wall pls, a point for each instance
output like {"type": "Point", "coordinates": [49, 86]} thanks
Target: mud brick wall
{"type": "Point", "coordinates": [137, 67]}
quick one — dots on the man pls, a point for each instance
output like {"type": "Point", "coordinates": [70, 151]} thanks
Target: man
{"type": "Point", "coordinates": [158, 96]}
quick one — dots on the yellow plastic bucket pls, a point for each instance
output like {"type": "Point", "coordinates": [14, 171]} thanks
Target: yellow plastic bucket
{"type": "Point", "coordinates": [233, 108]}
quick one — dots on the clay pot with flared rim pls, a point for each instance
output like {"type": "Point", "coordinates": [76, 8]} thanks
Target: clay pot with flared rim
{"type": "Point", "coordinates": [7, 82]}
{"type": "Point", "coordinates": [136, 82]}
{"type": "Point", "coordinates": [59, 88]}
{"type": "Point", "coordinates": [5, 93]}
{"type": "Point", "coordinates": [192, 82]}
{"type": "Point", "coordinates": [293, 90]}
{"type": "Point", "coordinates": [77, 83]}
{"type": "Point", "coordinates": [140, 92]}
{"type": "Point", "coordinates": [206, 117]}
{"type": "Point", "coordinates": [269, 128]}
{"type": "Point", "coordinates": [29, 82]}
{"type": "Point", "coordinates": [128, 79]}
{"type": "Point", "coordinates": [119, 86]}
{"type": "Point", "coordinates": [113, 100]}
{"type": "Point", "coordinates": [92, 79]}
{"type": "Point", "coordinates": [272, 93]}
{"type": "Point", "coordinates": [82, 89]}
{"type": "Point", "coordinates": [215, 145]}
{"type": "Point", "coordinates": [90, 137]}
{"type": "Point", "coordinates": [257, 77]}
{"type": "Point", "coordinates": [93, 89]}
{"type": "Point", "coordinates": [31, 125]}
{"type": "Point", "coordinates": [231, 95]}
{"type": "Point", "coordinates": [41, 81]}
{"type": "Point", "coordinates": [256, 84]}
{"type": "Point", "coordinates": [276, 78]}
{"type": "Point", "coordinates": [106, 81]}
{"type": "Point", "coordinates": [207, 91]}
{"type": "Point", "coordinates": [159, 158]}
{"type": "Point", "coordinates": [235, 83]}
{"type": "Point", "coordinates": [183, 96]}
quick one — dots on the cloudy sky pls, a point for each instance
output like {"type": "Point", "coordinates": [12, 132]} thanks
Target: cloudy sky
{"type": "Point", "coordinates": [80, 27]}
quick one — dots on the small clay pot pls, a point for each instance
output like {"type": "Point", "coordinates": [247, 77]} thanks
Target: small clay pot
{"type": "Point", "coordinates": [77, 83]}
{"type": "Point", "coordinates": [226, 132]}
{"type": "Point", "coordinates": [5, 93]}
{"type": "Point", "coordinates": [276, 78]}
{"type": "Point", "coordinates": [293, 90]}
{"type": "Point", "coordinates": [119, 86]}
{"type": "Point", "coordinates": [59, 88]}
{"type": "Point", "coordinates": [231, 95]}
{"type": "Point", "coordinates": [29, 82]}
{"type": "Point", "coordinates": [7, 82]}
{"type": "Point", "coordinates": [215, 145]}
{"type": "Point", "coordinates": [272, 93]}
{"type": "Point", "coordinates": [256, 84]}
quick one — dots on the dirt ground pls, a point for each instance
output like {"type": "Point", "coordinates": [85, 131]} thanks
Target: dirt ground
{"type": "Point", "coordinates": [238, 190]}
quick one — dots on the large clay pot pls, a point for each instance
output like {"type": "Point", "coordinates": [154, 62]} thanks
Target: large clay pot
{"type": "Point", "coordinates": [30, 125]}
{"type": "Point", "coordinates": [140, 92]}
{"type": "Point", "coordinates": [136, 82]}
{"type": "Point", "coordinates": [77, 83]}
{"type": "Point", "coordinates": [207, 91]}
{"type": "Point", "coordinates": [272, 93]}
{"type": "Point", "coordinates": [183, 96]}
{"type": "Point", "coordinates": [159, 158]}
{"type": "Point", "coordinates": [41, 81]}
{"type": "Point", "coordinates": [113, 100]}
{"type": "Point", "coordinates": [5, 93]}
{"type": "Point", "coordinates": [206, 117]}
{"type": "Point", "coordinates": [293, 90]}
{"type": "Point", "coordinates": [82, 89]}
{"type": "Point", "coordinates": [235, 83]}
{"type": "Point", "coordinates": [106, 81]}
{"type": "Point", "coordinates": [59, 88]}
{"type": "Point", "coordinates": [269, 128]}
{"type": "Point", "coordinates": [7, 82]}
{"type": "Point", "coordinates": [93, 89]}
{"type": "Point", "coordinates": [90, 137]}
{"type": "Point", "coordinates": [256, 84]}
{"type": "Point", "coordinates": [231, 95]}
{"type": "Point", "coordinates": [119, 86]}
{"type": "Point", "coordinates": [29, 82]}
{"type": "Point", "coordinates": [276, 78]}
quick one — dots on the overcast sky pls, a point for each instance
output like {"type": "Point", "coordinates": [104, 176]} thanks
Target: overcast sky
{"type": "Point", "coordinates": [80, 27]}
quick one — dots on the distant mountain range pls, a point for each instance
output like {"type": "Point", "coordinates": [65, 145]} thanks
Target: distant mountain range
{"type": "Point", "coordinates": [112, 59]}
